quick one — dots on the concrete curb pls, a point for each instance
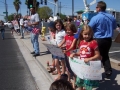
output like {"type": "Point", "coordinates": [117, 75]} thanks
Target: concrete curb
{"type": "Point", "coordinates": [42, 78]}
{"type": "Point", "coordinates": [47, 75]}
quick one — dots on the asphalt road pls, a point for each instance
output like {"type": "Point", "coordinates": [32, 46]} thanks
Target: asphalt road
{"type": "Point", "coordinates": [14, 72]}
{"type": "Point", "coordinates": [115, 48]}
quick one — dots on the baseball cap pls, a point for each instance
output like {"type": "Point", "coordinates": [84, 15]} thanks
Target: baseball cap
{"type": "Point", "coordinates": [51, 24]}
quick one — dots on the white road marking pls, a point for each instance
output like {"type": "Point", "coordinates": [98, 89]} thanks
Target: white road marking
{"type": "Point", "coordinates": [114, 51]}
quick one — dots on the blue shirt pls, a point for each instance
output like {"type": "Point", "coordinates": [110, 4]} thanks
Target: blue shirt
{"type": "Point", "coordinates": [103, 25]}
{"type": "Point", "coordinates": [76, 36]}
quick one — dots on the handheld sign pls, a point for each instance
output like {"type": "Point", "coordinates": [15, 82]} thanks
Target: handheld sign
{"type": "Point", "coordinates": [91, 71]}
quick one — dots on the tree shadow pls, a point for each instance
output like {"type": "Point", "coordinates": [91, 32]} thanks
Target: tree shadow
{"type": "Point", "coordinates": [110, 83]}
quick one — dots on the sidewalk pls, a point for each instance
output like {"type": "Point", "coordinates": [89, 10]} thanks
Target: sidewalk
{"type": "Point", "coordinates": [44, 79]}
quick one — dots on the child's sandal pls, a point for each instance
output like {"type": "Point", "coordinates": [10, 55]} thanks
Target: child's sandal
{"type": "Point", "coordinates": [50, 69]}
{"type": "Point", "coordinates": [57, 78]}
{"type": "Point", "coordinates": [54, 72]}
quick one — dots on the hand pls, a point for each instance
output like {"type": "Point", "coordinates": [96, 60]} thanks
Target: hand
{"type": "Point", "coordinates": [86, 60]}
{"type": "Point", "coordinates": [72, 55]}
{"type": "Point", "coordinates": [64, 51]}
{"type": "Point", "coordinates": [59, 46]}
{"type": "Point", "coordinates": [29, 24]}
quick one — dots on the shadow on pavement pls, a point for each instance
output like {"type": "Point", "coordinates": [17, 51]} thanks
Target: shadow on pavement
{"type": "Point", "coordinates": [110, 84]}
{"type": "Point", "coordinates": [44, 53]}
{"type": "Point", "coordinates": [9, 38]}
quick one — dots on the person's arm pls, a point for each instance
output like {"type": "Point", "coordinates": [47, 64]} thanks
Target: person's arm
{"type": "Point", "coordinates": [95, 57]}
{"type": "Point", "coordinates": [72, 45]}
{"type": "Point", "coordinates": [53, 36]}
{"type": "Point", "coordinates": [35, 23]}
{"type": "Point", "coordinates": [74, 54]}
{"type": "Point", "coordinates": [63, 41]}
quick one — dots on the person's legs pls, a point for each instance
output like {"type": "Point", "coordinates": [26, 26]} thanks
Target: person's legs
{"type": "Point", "coordinates": [2, 32]}
{"type": "Point", "coordinates": [36, 44]}
{"type": "Point", "coordinates": [70, 72]}
{"type": "Point", "coordinates": [32, 41]}
{"type": "Point", "coordinates": [68, 65]}
{"type": "Point", "coordinates": [26, 30]}
{"type": "Point", "coordinates": [57, 68]}
{"type": "Point", "coordinates": [22, 31]}
{"type": "Point", "coordinates": [104, 46]}
{"type": "Point", "coordinates": [14, 30]}
{"type": "Point", "coordinates": [63, 66]}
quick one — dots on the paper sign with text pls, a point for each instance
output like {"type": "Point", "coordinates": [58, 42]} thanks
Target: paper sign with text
{"type": "Point", "coordinates": [90, 71]}
{"type": "Point", "coordinates": [55, 50]}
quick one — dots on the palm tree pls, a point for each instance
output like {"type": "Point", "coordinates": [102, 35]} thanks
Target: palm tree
{"type": "Point", "coordinates": [16, 4]}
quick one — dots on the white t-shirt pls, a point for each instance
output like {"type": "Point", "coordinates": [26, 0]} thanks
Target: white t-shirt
{"type": "Point", "coordinates": [59, 36]}
{"type": "Point", "coordinates": [21, 21]}
{"type": "Point", "coordinates": [26, 23]}
{"type": "Point", "coordinates": [35, 18]}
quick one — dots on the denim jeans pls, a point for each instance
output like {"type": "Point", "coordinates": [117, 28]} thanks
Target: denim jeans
{"type": "Point", "coordinates": [35, 43]}
{"type": "Point", "coordinates": [22, 31]}
{"type": "Point", "coordinates": [2, 33]}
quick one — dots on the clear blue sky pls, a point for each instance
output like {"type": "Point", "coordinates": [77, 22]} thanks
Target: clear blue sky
{"type": "Point", "coordinates": [65, 4]}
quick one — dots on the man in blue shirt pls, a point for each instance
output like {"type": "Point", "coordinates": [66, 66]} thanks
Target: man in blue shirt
{"type": "Point", "coordinates": [103, 25]}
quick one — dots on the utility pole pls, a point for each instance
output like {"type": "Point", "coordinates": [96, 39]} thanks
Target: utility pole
{"type": "Point", "coordinates": [60, 8]}
{"type": "Point", "coordinates": [6, 11]}
{"type": "Point", "coordinates": [72, 8]}
{"type": "Point", "coordinates": [34, 4]}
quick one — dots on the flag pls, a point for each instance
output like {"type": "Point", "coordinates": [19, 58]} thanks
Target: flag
{"type": "Point", "coordinates": [35, 30]}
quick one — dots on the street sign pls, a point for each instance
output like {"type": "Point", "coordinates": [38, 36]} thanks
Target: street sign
{"type": "Point", "coordinates": [5, 12]}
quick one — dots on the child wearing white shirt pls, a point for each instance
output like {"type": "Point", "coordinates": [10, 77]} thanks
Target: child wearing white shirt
{"type": "Point", "coordinates": [60, 33]}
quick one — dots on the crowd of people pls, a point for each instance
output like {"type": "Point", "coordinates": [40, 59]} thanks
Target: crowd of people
{"type": "Point", "coordinates": [94, 35]}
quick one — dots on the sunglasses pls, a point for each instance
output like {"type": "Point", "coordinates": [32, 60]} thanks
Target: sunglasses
{"type": "Point", "coordinates": [97, 7]}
